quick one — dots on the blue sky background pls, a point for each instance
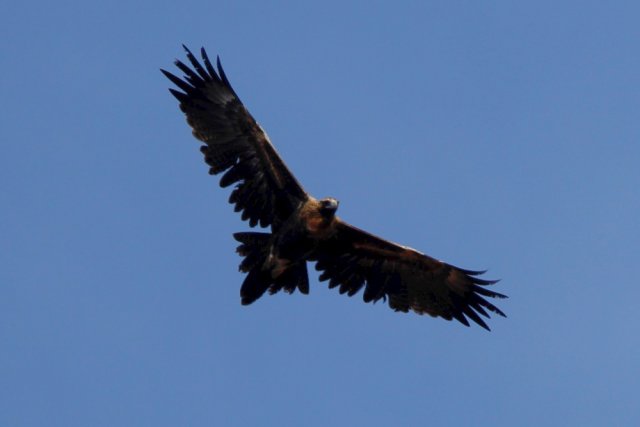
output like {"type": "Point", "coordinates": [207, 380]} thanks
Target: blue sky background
{"type": "Point", "coordinates": [501, 135]}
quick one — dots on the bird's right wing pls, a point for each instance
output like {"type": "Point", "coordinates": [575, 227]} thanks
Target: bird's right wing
{"type": "Point", "coordinates": [267, 192]}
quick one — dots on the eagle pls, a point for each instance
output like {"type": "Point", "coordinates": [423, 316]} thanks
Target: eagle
{"type": "Point", "coordinates": [305, 229]}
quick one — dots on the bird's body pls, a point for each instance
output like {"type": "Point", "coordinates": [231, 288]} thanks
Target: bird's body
{"type": "Point", "coordinates": [301, 233]}
{"type": "Point", "coordinates": [304, 228]}
{"type": "Point", "coordinates": [282, 256]}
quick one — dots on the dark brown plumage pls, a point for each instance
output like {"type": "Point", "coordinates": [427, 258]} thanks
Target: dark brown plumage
{"type": "Point", "coordinates": [304, 228]}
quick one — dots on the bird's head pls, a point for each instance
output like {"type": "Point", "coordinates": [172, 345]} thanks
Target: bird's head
{"type": "Point", "coordinates": [328, 207]}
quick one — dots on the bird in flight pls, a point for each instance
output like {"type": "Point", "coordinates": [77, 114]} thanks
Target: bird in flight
{"type": "Point", "coordinates": [304, 228]}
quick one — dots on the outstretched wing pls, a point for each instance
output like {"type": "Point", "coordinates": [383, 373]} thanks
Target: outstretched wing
{"type": "Point", "coordinates": [266, 191]}
{"type": "Point", "coordinates": [352, 259]}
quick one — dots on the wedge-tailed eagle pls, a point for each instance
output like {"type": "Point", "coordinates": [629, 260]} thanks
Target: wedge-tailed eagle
{"type": "Point", "coordinates": [304, 228]}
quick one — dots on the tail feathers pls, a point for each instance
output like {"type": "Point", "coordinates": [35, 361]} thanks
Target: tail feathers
{"type": "Point", "coordinates": [255, 285]}
{"type": "Point", "coordinates": [255, 250]}
{"type": "Point", "coordinates": [293, 277]}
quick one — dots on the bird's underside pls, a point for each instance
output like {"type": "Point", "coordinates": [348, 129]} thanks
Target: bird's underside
{"type": "Point", "coordinates": [304, 228]}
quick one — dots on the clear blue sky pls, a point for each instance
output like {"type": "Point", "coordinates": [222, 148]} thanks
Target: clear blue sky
{"type": "Point", "coordinates": [501, 135]}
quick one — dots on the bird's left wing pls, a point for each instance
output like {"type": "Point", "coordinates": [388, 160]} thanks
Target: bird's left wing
{"type": "Point", "coordinates": [267, 192]}
{"type": "Point", "coordinates": [352, 259]}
